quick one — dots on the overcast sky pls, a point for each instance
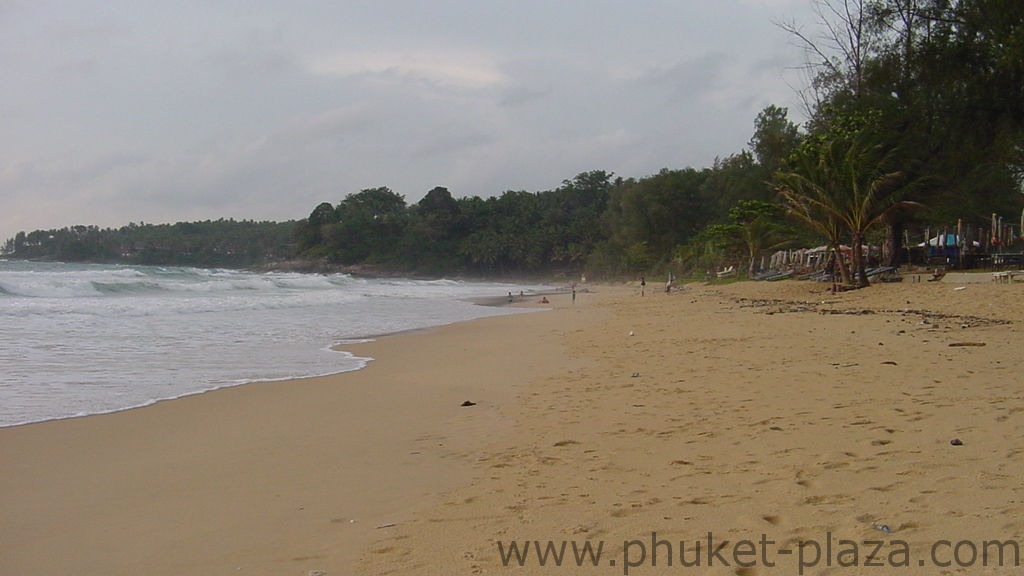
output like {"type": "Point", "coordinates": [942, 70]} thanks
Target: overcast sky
{"type": "Point", "coordinates": [118, 111]}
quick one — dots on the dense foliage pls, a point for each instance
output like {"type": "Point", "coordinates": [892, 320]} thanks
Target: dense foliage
{"type": "Point", "coordinates": [220, 243]}
{"type": "Point", "coordinates": [916, 118]}
{"type": "Point", "coordinates": [517, 232]}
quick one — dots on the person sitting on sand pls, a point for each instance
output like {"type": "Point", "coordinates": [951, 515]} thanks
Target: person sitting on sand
{"type": "Point", "coordinates": [544, 300]}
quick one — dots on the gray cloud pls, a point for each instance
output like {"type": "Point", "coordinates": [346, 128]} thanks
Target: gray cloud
{"type": "Point", "coordinates": [120, 111]}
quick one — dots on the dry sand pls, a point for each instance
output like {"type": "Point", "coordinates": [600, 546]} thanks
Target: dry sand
{"type": "Point", "coordinates": [767, 412]}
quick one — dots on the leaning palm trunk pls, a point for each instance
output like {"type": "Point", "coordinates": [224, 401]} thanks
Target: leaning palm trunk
{"type": "Point", "coordinates": [836, 268]}
{"type": "Point", "coordinates": [858, 257]}
{"type": "Point", "coordinates": [893, 241]}
{"type": "Point", "coordinates": [844, 270]}
{"type": "Point", "coordinates": [803, 200]}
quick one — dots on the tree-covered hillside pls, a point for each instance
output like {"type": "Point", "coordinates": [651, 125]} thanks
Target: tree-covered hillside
{"type": "Point", "coordinates": [212, 243]}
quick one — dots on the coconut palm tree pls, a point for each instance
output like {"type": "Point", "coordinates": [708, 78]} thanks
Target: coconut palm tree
{"type": "Point", "coordinates": [755, 226]}
{"type": "Point", "coordinates": [807, 196]}
{"type": "Point", "coordinates": [846, 184]}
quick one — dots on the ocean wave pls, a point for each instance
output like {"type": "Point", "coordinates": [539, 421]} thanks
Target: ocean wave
{"type": "Point", "coordinates": [83, 339]}
{"type": "Point", "coordinates": [52, 281]}
{"type": "Point", "coordinates": [124, 281]}
{"type": "Point", "coordinates": [44, 288]}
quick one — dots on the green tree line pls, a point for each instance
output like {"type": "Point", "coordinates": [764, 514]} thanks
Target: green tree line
{"type": "Point", "coordinates": [210, 243]}
{"type": "Point", "coordinates": [915, 118]}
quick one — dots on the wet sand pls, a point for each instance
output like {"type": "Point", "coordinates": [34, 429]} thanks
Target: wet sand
{"type": "Point", "coordinates": [266, 478]}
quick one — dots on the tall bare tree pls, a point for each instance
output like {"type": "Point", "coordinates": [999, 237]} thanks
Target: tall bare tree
{"type": "Point", "coordinates": [836, 51]}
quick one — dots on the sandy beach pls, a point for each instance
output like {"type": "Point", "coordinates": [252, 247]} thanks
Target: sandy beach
{"type": "Point", "coordinates": [772, 414]}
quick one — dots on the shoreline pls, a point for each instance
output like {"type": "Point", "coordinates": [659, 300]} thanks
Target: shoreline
{"type": "Point", "coordinates": [364, 362]}
{"type": "Point", "coordinates": [738, 410]}
{"type": "Point", "coordinates": [346, 363]}
{"type": "Point", "coordinates": [286, 476]}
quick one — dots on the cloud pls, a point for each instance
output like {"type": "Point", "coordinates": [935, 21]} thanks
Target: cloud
{"type": "Point", "coordinates": [774, 4]}
{"type": "Point", "coordinates": [120, 111]}
{"type": "Point", "coordinates": [332, 123]}
{"type": "Point", "coordinates": [454, 69]}
{"type": "Point", "coordinates": [689, 80]}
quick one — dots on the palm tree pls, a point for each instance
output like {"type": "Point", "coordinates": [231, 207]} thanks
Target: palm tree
{"type": "Point", "coordinates": [806, 194]}
{"type": "Point", "coordinates": [848, 185]}
{"type": "Point", "coordinates": [760, 229]}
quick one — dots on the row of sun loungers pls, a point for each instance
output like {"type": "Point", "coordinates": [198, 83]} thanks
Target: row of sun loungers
{"type": "Point", "coordinates": [878, 274]}
{"type": "Point", "coordinates": [822, 275]}
{"type": "Point", "coordinates": [1006, 276]}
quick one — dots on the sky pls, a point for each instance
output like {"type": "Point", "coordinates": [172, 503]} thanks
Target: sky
{"type": "Point", "coordinates": [119, 111]}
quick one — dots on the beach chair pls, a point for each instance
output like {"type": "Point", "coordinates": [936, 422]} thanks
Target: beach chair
{"type": "Point", "coordinates": [1006, 276]}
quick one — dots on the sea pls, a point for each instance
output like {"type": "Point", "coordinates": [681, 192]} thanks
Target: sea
{"type": "Point", "coordinates": [80, 339]}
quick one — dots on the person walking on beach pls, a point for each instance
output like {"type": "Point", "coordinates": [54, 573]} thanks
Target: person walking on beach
{"type": "Point", "coordinates": [643, 284]}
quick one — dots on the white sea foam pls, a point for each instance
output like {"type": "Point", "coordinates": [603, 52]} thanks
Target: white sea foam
{"type": "Point", "coordinates": [84, 339]}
